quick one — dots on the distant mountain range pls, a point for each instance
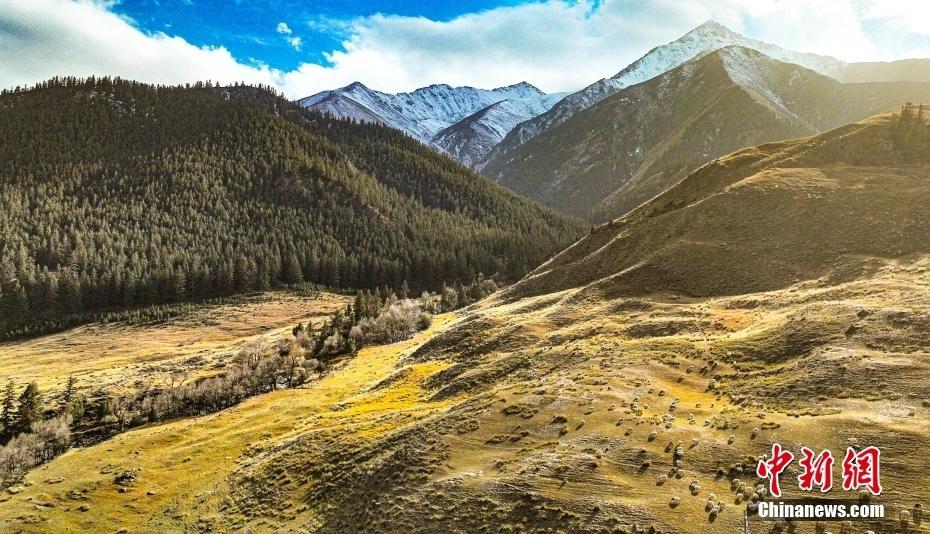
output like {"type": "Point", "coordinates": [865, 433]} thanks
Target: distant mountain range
{"type": "Point", "coordinates": [705, 38]}
{"type": "Point", "coordinates": [611, 157]}
{"type": "Point", "coordinates": [463, 121]}
{"type": "Point", "coordinates": [471, 139]}
{"type": "Point", "coordinates": [601, 151]}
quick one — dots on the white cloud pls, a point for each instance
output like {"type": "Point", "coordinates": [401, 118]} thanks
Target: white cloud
{"type": "Point", "coordinates": [44, 38]}
{"type": "Point", "coordinates": [295, 41]}
{"type": "Point", "coordinates": [562, 46]}
{"type": "Point", "coordinates": [828, 27]}
{"type": "Point", "coordinates": [555, 44]}
{"type": "Point", "coordinates": [911, 16]}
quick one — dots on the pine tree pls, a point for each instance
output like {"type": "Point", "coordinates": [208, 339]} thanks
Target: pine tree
{"type": "Point", "coordinates": [7, 416]}
{"type": "Point", "coordinates": [377, 303]}
{"type": "Point", "coordinates": [349, 317]}
{"type": "Point", "coordinates": [68, 395]}
{"type": "Point", "coordinates": [29, 410]}
{"type": "Point", "coordinates": [309, 331]}
{"type": "Point", "coordinates": [337, 321]}
{"type": "Point", "coordinates": [359, 305]}
{"type": "Point", "coordinates": [404, 290]}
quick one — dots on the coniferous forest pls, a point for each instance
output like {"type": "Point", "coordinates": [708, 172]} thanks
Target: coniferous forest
{"type": "Point", "coordinates": [119, 194]}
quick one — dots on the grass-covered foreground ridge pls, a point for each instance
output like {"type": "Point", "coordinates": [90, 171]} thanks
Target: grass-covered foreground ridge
{"type": "Point", "coordinates": [34, 429]}
{"type": "Point", "coordinates": [557, 412]}
{"type": "Point", "coordinates": [199, 457]}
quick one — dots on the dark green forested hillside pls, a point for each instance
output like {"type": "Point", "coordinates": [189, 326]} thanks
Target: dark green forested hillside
{"type": "Point", "coordinates": [120, 194]}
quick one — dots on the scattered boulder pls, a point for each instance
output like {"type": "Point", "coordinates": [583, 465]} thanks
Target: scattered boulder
{"type": "Point", "coordinates": [126, 477]}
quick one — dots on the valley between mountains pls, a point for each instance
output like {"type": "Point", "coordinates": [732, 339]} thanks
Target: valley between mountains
{"type": "Point", "coordinates": [559, 402]}
{"type": "Point", "coordinates": [466, 310]}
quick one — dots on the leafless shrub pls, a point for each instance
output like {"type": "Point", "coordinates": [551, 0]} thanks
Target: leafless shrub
{"type": "Point", "coordinates": [396, 322]}
{"type": "Point", "coordinates": [27, 450]}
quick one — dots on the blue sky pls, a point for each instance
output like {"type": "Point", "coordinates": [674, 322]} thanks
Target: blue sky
{"type": "Point", "coordinates": [249, 29]}
{"type": "Point", "coordinates": [303, 47]}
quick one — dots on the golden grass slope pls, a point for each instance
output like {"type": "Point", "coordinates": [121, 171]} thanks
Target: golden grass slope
{"type": "Point", "coordinates": [537, 415]}
{"type": "Point", "coordinates": [760, 219]}
{"type": "Point", "coordinates": [128, 356]}
{"type": "Point", "coordinates": [185, 467]}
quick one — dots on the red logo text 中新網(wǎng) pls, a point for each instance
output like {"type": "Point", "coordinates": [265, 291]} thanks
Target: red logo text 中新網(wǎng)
{"type": "Point", "coordinates": [860, 469]}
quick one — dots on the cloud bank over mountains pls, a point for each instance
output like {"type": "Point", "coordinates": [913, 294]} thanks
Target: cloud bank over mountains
{"type": "Point", "coordinates": [556, 45]}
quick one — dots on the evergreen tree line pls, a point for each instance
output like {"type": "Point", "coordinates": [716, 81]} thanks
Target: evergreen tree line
{"type": "Point", "coordinates": [122, 195]}
{"type": "Point", "coordinates": [910, 131]}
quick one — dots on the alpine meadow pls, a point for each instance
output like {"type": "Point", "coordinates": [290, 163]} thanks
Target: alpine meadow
{"type": "Point", "coordinates": [294, 267]}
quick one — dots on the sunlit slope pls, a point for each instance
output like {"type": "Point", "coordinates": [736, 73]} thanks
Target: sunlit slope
{"type": "Point", "coordinates": [762, 218]}
{"type": "Point", "coordinates": [188, 469]}
{"type": "Point", "coordinates": [709, 319]}
{"type": "Point", "coordinates": [129, 356]}
{"type": "Point", "coordinates": [575, 405]}
{"type": "Point", "coordinates": [549, 412]}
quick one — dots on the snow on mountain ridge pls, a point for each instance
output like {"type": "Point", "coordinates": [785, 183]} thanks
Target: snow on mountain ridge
{"type": "Point", "coordinates": [751, 68]}
{"type": "Point", "coordinates": [432, 114]}
{"type": "Point", "coordinates": [712, 36]}
{"type": "Point", "coordinates": [702, 40]}
{"type": "Point", "coordinates": [472, 138]}
{"type": "Point", "coordinates": [426, 111]}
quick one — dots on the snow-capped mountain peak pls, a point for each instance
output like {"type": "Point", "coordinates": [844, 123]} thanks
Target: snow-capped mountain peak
{"type": "Point", "coordinates": [711, 28]}
{"type": "Point", "coordinates": [703, 39]}
{"type": "Point", "coordinates": [712, 36]}
{"type": "Point", "coordinates": [425, 112]}
{"type": "Point", "coordinates": [472, 138]}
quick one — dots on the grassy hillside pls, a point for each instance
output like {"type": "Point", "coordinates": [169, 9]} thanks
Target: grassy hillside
{"type": "Point", "coordinates": [189, 470]}
{"type": "Point", "coordinates": [553, 412]}
{"type": "Point", "coordinates": [629, 147]}
{"type": "Point", "coordinates": [764, 218]}
{"type": "Point", "coordinates": [120, 194]}
{"type": "Point", "coordinates": [121, 357]}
